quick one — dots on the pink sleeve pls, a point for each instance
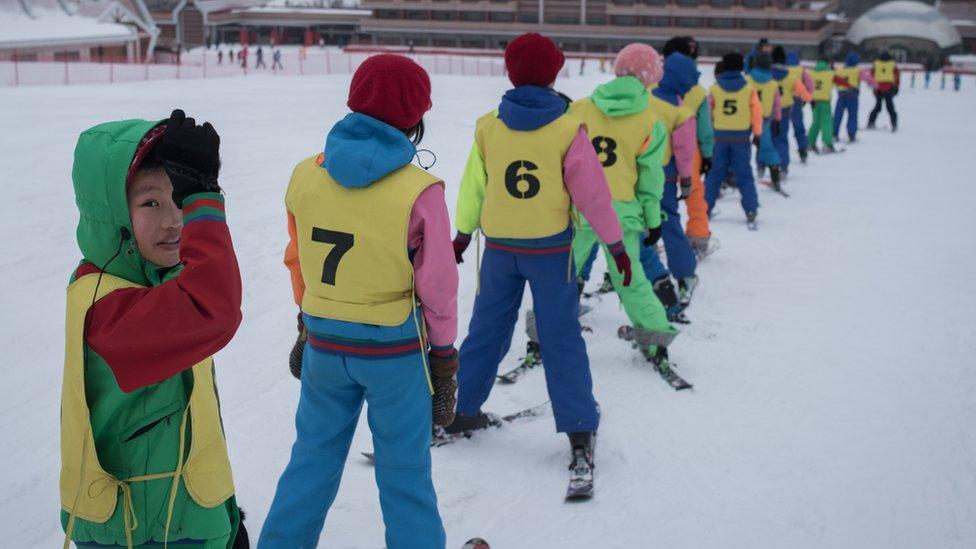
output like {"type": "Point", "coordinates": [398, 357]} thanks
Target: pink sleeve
{"type": "Point", "coordinates": [807, 81]}
{"type": "Point", "coordinates": [588, 187]}
{"type": "Point", "coordinates": [777, 106]}
{"type": "Point", "coordinates": [868, 76]}
{"type": "Point", "coordinates": [435, 272]}
{"type": "Point", "coordinates": [684, 144]}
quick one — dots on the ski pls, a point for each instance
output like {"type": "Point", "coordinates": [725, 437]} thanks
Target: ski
{"type": "Point", "coordinates": [660, 362]}
{"type": "Point", "coordinates": [476, 543]}
{"type": "Point", "coordinates": [769, 184]}
{"type": "Point", "coordinates": [531, 359]}
{"type": "Point", "coordinates": [824, 152]}
{"type": "Point", "coordinates": [442, 438]}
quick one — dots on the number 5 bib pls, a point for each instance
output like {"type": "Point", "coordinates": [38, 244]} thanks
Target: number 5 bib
{"type": "Point", "coordinates": [352, 243]}
{"type": "Point", "coordinates": [525, 196]}
{"type": "Point", "coordinates": [732, 108]}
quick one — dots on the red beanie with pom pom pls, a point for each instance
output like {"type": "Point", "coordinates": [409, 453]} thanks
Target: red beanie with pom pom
{"type": "Point", "coordinates": [391, 88]}
{"type": "Point", "coordinates": [533, 59]}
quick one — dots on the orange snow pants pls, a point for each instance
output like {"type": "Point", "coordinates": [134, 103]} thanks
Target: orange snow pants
{"type": "Point", "coordinates": [697, 226]}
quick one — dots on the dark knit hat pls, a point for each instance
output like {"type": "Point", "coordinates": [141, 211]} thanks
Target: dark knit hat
{"type": "Point", "coordinates": [779, 55]}
{"type": "Point", "coordinates": [391, 88]}
{"type": "Point", "coordinates": [533, 59]}
{"type": "Point", "coordinates": [733, 62]}
{"type": "Point", "coordinates": [677, 44]}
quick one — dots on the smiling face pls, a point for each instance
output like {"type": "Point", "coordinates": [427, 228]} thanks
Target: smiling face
{"type": "Point", "coordinates": [156, 221]}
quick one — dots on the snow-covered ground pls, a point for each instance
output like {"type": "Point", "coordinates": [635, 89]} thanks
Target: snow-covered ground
{"type": "Point", "coordinates": [832, 351]}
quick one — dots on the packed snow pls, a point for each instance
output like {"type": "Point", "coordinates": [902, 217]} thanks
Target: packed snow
{"type": "Point", "coordinates": [831, 351]}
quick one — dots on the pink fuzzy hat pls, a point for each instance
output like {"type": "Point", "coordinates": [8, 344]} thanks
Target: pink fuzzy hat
{"type": "Point", "coordinates": [639, 60]}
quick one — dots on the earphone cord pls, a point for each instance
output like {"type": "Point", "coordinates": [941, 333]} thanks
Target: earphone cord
{"type": "Point", "coordinates": [91, 308]}
{"type": "Point", "coordinates": [429, 166]}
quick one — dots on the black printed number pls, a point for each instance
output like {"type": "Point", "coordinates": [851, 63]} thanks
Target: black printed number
{"type": "Point", "coordinates": [782, 91]}
{"type": "Point", "coordinates": [343, 242]}
{"type": "Point", "coordinates": [759, 93]}
{"type": "Point", "coordinates": [606, 147]}
{"type": "Point", "coordinates": [730, 107]}
{"type": "Point", "coordinates": [818, 84]}
{"type": "Point", "coordinates": [513, 178]}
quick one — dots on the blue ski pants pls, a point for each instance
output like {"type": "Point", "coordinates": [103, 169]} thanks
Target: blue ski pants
{"type": "Point", "coordinates": [681, 256]}
{"type": "Point", "coordinates": [735, 154]}
{"type": "Point", "coordinates": [766, 154]}
{"type": "Point", "coordinates": [654, 268]}
{"type": "Point", "coordinates": [556, 304]}
{"type": "Point", "coordinates": [782, 140]}
{"type": "Point", "coordinates": [847, 101]}
{"type": "Point", "coordinates": [799, 128]}
{"type": "Point", "coordinates": [587, 268]}
{"type": "Point", "coordinates": [399, 414]}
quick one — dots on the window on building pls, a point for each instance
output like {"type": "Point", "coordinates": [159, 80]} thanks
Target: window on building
{"type": "Point", "coordinates": [472, 43]}
{"type": "Point", "coordinates": [442, 15]}
{"type": "Point", "coordinates": [624, 2]}
{"type": "Point", "coordinates": [721, 3]}
{"type": "Point", "coordinates": [502, 17]}
{"type": "Point", "coordinates": [562, 18]}
{"type": "Point", "coordinates": [787, 24]}
{"type": "Point", "coordinates": [656, 21]}
{"type": "Point", "coordinates": [596, 19]}
{"type": "Point", "coordinates": [67, 55]}
{"type": "Point", "coordinates": [689, 22]}
{"type": "Point", "coordinates": [623, 20]}
{"type": "Point", "coordinates": [754, 3]}
{"type": "Point", "coordinates": [416, 15]}
{"type": "Point", "coordinates": [656, 2]}
{"type": "Point", "coordinates": [694, 3]}
{"type": "Point", "coordinates": [756, 24]}
{"type": "Point", "coordinates": [387, 14]}
{"type": "Point", "coordinates": [721, 23]}
{"type": "Point", "coordinates": [528, 17]}
{"type": "Point", "coordinates": [472, 16]}
{"type": "Point", "coordinates": [444, 43]}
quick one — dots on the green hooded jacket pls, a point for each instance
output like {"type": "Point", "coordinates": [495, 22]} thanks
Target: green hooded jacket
{"type": "Point", "coordinates": [135, 433]}
{"type": "Point", "coordinates": [624, 96]}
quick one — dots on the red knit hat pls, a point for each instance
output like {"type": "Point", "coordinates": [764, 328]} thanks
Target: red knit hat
{"type": "Point", "coordinates": [391, 88]}
{"type": "Point", "coordinates": [533, 59]}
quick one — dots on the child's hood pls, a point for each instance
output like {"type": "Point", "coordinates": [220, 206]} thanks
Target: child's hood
{"type": "Point", "coordinates": [760, 75]}
{"type": "Point", "coordinates": [621, 96]}
{"type": "Point", "coordinates": [528, 107]}
{"type": "Point", "coordinates": [680, 75]}
{"type": "Point", "coordinates": [821, 66]}
{"type": "Point", "coordinates": [361, 149]}
{"type": "Point", "coordinates": [102, 159]}
{"type": "Point", "coordinates": [731, 81]}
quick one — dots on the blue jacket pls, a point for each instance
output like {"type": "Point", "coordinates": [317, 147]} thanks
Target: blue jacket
{"type": "Point", "coordinates": [731, 81]}
{"type": "Point", "coordinates": [680, 75]}
{"type": "Point", "coordinates": [760, 75]}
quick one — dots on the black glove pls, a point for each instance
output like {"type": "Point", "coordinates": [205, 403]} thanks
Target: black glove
{"type": "Point", "coordinates": [776, 127]}
{"type": "Point", "coordinates": [684, 188]}
{"type": "Point", "coordinates": [298, 351]}
{"type": "Point", "coordinates": [443, 370]}
{"type": "Point", "coordinates": [653, 235]}
{"type": "Point", "coordinates": [894, 91]}
{"type": "Point", "coordinates": [706, 165]}
{"type": "Point", "coordinates": [192, 155]}
{"type": "Point", "coordinates": [755, 141]}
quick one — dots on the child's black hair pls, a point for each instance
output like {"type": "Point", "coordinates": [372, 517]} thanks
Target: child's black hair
{"type": "Point", "coordinates": [416, 133]}
{"type": "Point", "coordinates": [678, 44]}
{"type": "Point", "coordinates": [152, 162]}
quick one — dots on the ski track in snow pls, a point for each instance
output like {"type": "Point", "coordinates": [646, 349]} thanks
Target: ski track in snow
{"type": "Point", "coordinates": [831, 351]}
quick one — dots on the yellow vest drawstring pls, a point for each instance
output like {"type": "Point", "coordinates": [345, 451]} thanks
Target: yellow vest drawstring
{"type": "Point", "coordinates": [477, 263]}
{"type": "Point", "coordinates": [421, 326]}
{"type": "Point", "coordinates": [99, 485]}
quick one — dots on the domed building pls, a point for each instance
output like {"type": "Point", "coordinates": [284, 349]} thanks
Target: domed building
{"type": "Point", "coordinates": [912, 31]}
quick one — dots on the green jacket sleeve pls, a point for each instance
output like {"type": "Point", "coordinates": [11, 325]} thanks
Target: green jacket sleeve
{"type": "Point", "coordinates": [706, 133]}
{"type": "Point", "coordinates": [650, 176]}
{"type": "Point", "coordinates": [467, 217]}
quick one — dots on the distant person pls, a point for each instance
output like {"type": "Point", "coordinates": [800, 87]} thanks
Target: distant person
{"type": "Point", "coordinates": [797, 70]}
{"type": "Point", "coordinates": [762, 46]}
{"type": "Point", "coordinates": [259, 59]}
{"type": "Point", "coordinates": [791, 89]}
{"type": "Point", "coordinates": [848, 94]}
{"type": "Point", "coordinates": [220, 57]}
{"type": "Point", "coordinates": [276, 60]}
{"type": "Point", "coordinates": [887, 78]}
{"type": "Point", "coordinates": [956, 81]}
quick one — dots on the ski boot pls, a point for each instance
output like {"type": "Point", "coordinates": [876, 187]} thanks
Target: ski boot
{"type": "Point", "coordinates": [870, 126]}
{"type": "Point", "coordinates": [803, 156]}
{"type": "Point", "coordinates": [700, 246]}
{"type": "Point", "coordinates": [775, 177]}
{"type": "Point", "coordinates": [607, 285]}
{"type": "Point", "coordinates": [581, 465]}
{"type": "Point", "coordinates": [465, 425]}
{"type": "Point", "coordinates": [751, 220]}
{"type": "Point", "coordinates": [686, 288]}
{"type": "Point", "coordinates": [760, 172]}
{"type": "Point", "coordinates": [829, 149]}
{"type": "Point", "coordinates": [664, 291]}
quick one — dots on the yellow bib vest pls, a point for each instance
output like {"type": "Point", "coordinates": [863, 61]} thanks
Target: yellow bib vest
{"type": "Point", "coordinates": [884, 72]}
{"type": "Point", "coordinates": [672, 116]}
{"type": "Point", "coordinates": [352, 243]}
{"type": "Point", "coordinates": [853, 75]}
{"type": "Point", "coordinates": [767, 94]}
{"type": "Point", "coordinates": [694, 98]}
{"type": "Point", "coordinates": [87, 490]}
{"type": "Point", "coordinates": [732, 108]}
{"type": "Point", "coordinates": [786, 85]}
{"type": "Point", "coordinates": [618, 141]}
{"type": "Point", "coordinates": [823, 84]}
{"type": "Point", "coordinates": [526, 196]}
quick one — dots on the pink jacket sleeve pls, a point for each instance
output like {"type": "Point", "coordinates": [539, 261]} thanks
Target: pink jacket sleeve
{"type": "Point", "coordinates": [684, 145]}
{"type": "Point", "coordinates": [807, 81]}
{"type": "Point", "coordinates": [868, 76]}
{"type": "Point", "coordinates": [435, 272]}
{"type": "Point", "coordinates": [589, 190]}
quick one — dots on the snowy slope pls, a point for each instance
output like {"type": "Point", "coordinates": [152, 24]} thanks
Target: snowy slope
{"type": "Point", "coordinates": [831, 351]}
